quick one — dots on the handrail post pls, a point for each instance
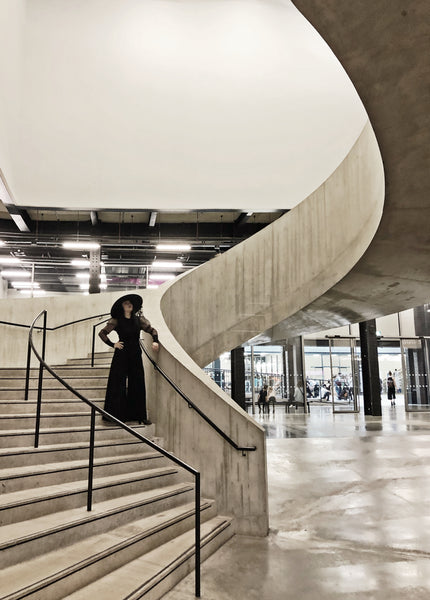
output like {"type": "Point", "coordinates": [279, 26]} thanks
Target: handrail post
{"type": "Point", "coordinates": [91, 460]}
{"type": "Point", "coordinates": [93, 344]}
{"type": "Point", "coordinates": [27, 372]}
{"type": "Point", "coordinates": [197, 538]}
{"type": "Point", "coordinates": [40, 384]}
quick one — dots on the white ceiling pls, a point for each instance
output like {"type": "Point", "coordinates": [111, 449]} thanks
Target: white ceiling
{"type": "Point", "coordinates": [169, 104]}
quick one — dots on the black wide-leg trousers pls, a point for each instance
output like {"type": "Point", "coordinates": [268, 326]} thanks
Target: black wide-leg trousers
{"type": "Point", "coordinates": [125, 392]}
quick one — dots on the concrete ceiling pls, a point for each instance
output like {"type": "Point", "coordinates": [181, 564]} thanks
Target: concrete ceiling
{"type": "Point", "coordinates": [169, 105]}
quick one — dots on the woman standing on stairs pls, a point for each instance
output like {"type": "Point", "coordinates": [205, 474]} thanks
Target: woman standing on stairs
{"type": "Point", "coordinates": [125, 392]}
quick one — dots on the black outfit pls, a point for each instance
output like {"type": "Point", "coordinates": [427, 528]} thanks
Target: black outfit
{"type": "Point", "coordinates": [391, 388]}
{"type": "Point", "coordinates": [127, 402]}
{"type": "Point", "coordinates": [262, 400]}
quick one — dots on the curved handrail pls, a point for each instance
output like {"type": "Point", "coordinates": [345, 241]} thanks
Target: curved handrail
{"type": "Point", "coordinates": [94, 408]}
{"type": "Point", "coordinates": [54, 328]}
{"type": "Point", "coordinates": [195, 407]}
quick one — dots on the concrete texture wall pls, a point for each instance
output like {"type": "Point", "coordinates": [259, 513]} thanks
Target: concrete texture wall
{"type": "Point", "coordinates": [383, 47]}
{"type": "Point", "coordinates": [284, 267]}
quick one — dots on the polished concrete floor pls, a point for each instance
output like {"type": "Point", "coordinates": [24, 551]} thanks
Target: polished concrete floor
{"type": "Point", "coordinates": [349, 513]}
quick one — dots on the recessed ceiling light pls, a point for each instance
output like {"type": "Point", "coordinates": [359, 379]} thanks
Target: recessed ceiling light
{"type": "Point", "coordinates": [152, 286]}
{"type": "Point", "coordinates": [80, 262]}
{"type": "Point", "coordinates": [173, 247]}
{"type": "Point", "coordinates": [25, 284]}
{"type": "Point", "coordinates": [81, 245]}
{"type": "Point", "coordinates": [9, 260]}
{"type": "Point", "coordinates": [167, 264]}
{"type": "Point", "coordinates": [161, 276]}
{"type": "Point", "coordinates": [12, 273]}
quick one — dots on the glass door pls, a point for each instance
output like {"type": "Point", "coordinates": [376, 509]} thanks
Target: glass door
{"type": "Point", "coordinates": [344, 375]}
{"type": "Point", "coordinates": [415, 373]}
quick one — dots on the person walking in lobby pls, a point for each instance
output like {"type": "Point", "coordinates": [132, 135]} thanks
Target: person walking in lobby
{"type": "Point", "coordinates": [391, 388]}
{"type": "Point", "coordinates": [125, 392]}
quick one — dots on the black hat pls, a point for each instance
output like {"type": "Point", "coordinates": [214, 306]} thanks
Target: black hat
{"type": "Point", "coordinates": [117, 309]}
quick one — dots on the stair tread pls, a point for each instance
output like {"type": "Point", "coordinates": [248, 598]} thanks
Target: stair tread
{"type": "Point", "coordinates": [56, 564]}
{"type": "Point", "coordinates": [67, 446]}
{"type": "Point", "coordinates": [36, 494]}
{"type": "Point", "coordinates": [17, 472]}
{"type": "Point", "coordinates": [65, 429]}
{"type": "Point", "coordinates": [148, 568]}
{"type": "Point", "coordinates": [24, 530]}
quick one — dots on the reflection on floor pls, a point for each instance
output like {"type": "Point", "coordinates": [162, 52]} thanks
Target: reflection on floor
{"type": "Point", "coordinates": [349, 513]}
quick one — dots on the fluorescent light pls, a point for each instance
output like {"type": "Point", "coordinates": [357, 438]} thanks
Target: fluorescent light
{"type": "Point", "coordinates": [80, 262]}
{"type": "Point", "coordinates": [82, 275]}
{"type": "Point", "coordinates": [19, 222]}
{"type": "Point", "coordinates": [173, 247]}
{"type": "Point", "coordinates": [8, 260]}
{"type": "Point", "coordinates": [84, 286]}
{"type": "Point", "coordinates": [152, 219]}
{"type": "Point", "coordinates": [161, 276]}
{"type": "Point", "coordinates": [32, 292]}
{"type": "Point", "coordinates": [249, 213]}
{"type": "Point", "coordinates": [167, 264]}
{"type": "Point", "coordinates": [152, 286]}
{"type": "Point", "coordinates": [81, 245]}
{"type": "Point", "coordinates": [12, 273]}
{"type": "Point", "coordinates": [24, 284]}
{"type": "Point", "coordinates": [1, 243]}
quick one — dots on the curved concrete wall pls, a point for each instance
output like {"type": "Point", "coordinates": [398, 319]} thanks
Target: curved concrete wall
{"type": "Point", "coordinates": [284, 267]}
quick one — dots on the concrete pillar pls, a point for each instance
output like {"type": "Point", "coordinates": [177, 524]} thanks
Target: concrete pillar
{"type": "Point", "coordinates": [95, 271]}
{"type": "Point", "coordinates": [295, 375]}
{"type": "Point", "coordinates": [370, 368]}
{"type": "Point", "coordinates": [3, 288]}
{"type": "Point", "coordinates": [237, 357]}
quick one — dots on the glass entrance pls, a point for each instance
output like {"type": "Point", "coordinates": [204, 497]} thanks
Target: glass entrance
{"type": "Point", "coordinates": [344, 369]}
{"type": "Point", "coordinates": [415, 369]}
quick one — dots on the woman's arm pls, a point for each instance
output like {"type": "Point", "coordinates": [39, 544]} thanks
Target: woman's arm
{"type": "Point", "coordinates": [147, 327]}
{"type": "Point", "coordinates": [103, 333]}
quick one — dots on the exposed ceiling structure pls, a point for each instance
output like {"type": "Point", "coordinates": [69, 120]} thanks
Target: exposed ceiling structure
{"type": "Point", "coordinates": [128, 242]}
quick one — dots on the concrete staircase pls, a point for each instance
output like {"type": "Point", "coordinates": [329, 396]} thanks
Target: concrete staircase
{"type": "Point", "coordinates": [137, 542]}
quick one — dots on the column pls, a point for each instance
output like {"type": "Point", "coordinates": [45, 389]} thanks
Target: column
{"type": "Point", "coordinates": [95, 271]}
{"type": "Point", "coordinates": [370, 368]}
{"type": "Point", "coordinates": [237, 357]}
{"type": "Point", "coordinates": [295, 377]}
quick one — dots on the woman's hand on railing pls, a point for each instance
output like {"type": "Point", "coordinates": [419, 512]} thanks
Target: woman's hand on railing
{"type": "Point", "coordinates": [155, 346]}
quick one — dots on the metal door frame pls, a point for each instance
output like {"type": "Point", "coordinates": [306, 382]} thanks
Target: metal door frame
{"type": "Point", "coordinates": [356, 408]}
{"type": "Point", "coordinates": [425, 351]}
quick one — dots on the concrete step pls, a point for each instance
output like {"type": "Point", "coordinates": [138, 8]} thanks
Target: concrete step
{"type": "Point", "coordinates": [56, 420]}
{"type": "Point", "coordinates": [17, 407]}
{"type": "Point", "coordinates": [51, 382]}
{"type": "Point", "coordinates": [24, 437]}
{"type": "Point", "coordinates": [30, 504]}
{"type": "Point", "coordinates": [152, 575]}
{"type": "Point", "coordinates": [18, 457]}
{"type": "Point", "coordinates": [61, 370]}
{"type": "Point", "coordinates": [27, 477]}
{"type": "Point", "coordinates": [64, 570]}
{"type": "Point", "coordinates": [101, 361]}
{"type": "Point", "coordinates": [56, 393]}
{"type": "Point", "coordinates": [27, 539]}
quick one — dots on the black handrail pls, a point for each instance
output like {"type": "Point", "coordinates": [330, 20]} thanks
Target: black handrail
{"type": "Point", "coordinates": [191, 404]}
{"type": "Point", "coordinates": [54, 328]}
{"type": "Point", "coordinates": [145, 440]}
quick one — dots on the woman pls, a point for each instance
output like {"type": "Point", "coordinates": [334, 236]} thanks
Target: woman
{"type": "Point", "coordinates": [127, 402]}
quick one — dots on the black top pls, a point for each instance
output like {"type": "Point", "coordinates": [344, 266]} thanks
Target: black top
{"type": "Point", "coordinates": [128, 331]}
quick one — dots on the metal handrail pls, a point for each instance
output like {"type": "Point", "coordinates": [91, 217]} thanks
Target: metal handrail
{"type": "Point", "coordinates": [94, 408]}
{"type": "Point", "coordinates": [191, 404]}
{"type": "Point", "coordinates": [54, 328]}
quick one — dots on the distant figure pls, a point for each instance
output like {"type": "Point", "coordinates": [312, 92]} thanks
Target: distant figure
{"type": "Point", "coordinates": [326, 390]}
{"type": "Point", "coordinates": [262, 399]}
{"type": "Point", "coordinates": [271, 399]}
{"type": "Point", "coordinates": [391, 388]}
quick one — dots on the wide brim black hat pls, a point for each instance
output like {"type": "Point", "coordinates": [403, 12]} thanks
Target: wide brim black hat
{"type": "Point", "coordinates": [117, 309]}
